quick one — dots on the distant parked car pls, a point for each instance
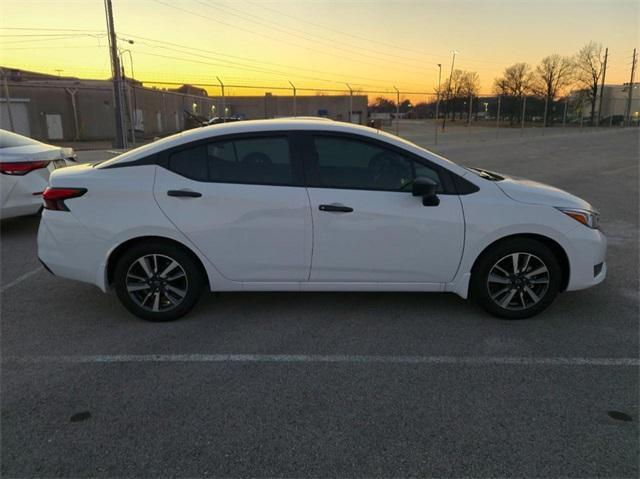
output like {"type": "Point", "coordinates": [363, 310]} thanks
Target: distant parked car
{"type": "Point", "coordinates": [312, 205]}
{"type": "Point", "coordinates": [25, 166]}
{"type": "Point", "coordinates": [218, 119]}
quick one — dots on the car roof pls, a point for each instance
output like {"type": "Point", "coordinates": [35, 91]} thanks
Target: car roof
{"type": "Point", "coordinates": [260, 126]}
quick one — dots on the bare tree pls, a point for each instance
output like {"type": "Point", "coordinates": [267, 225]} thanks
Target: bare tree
{"type": "Point", "coordinates": [469, 87]}
{"type": "Point", "coordinates": [589, 62]}
{"type": "Point", "coordinates": [470, 83]}
{"type": "Point", "coordinates": [515, 82]}
{"type": "Point", "coordinates": [463, 83]}
{"type": "Point", "coordinates": [554, 74]}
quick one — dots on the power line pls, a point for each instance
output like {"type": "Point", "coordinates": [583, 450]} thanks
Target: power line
{"type": "Point", "coordinates": [215, 54]}
{"type": "Point", "coordinates": [51, 39]}
{"type": "Point", "coordinates": [368, 40]}
{"type": "Point", "coordinates": [305, 35]}
{"type": "Point", "coordinates": [250, 69]}
{"type": "Point", "coordinates": [236, 27]}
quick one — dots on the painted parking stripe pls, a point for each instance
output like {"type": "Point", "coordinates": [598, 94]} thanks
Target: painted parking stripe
{"type": "Point", "coordinates": [313, 358]}
{"type": "Point", "coordinates": [20, 279]}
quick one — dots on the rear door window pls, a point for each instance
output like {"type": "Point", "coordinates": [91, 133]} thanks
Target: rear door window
{"type": "Point", "coordinates": [260, 160]}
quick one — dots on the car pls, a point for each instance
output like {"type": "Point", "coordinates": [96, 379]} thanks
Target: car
{"type": "Point", "coordinates": [25, 166]}
{"type": "Point", "coordinates": [312, 205]}
{"type": "Point", "coordinates": [218, 119]}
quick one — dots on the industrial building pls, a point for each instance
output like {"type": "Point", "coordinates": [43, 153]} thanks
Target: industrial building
{"type": "Point", "coordinates": [615, 103]}
{"type": "Point", "coordinates": [62, 108]}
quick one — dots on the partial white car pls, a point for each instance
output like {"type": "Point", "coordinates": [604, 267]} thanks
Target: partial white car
{"type": "Point", "coordinates": [25, 166]}
{"type": "Point", "coordinates": [312, 205]}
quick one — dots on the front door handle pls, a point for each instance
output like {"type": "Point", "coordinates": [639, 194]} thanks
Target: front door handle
{"type": "Point", "coordinates": [336, 207]}
{"type": "Point", "coordinates": [184, 193]}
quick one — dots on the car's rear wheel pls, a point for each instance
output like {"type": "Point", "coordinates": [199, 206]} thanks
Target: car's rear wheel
{"type": "Point", "coordinates": [158, 281]}
{"type": "Point", "coordinates": [516, 279]}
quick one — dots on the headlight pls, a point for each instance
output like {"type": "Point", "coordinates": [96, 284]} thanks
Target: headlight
{"type": "Point", "coordinates": [586, 217]}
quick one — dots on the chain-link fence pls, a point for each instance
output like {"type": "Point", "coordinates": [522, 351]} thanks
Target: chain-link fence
{"type": "Point", "coordinates": [83, 110]}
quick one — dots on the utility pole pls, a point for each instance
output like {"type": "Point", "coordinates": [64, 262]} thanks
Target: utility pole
{"type": "Point", "coordinates": [7, 98]}
{"type": "Point", "coordinates": [446, 105]}
{"type": "Point", "coordinates": [397, 110]}
{"type": "Point", "coordinates": [604, 72]}
{"type": "Point", "coordinates": [438, 102]}
{"type": "Point", "coordinates": [117, 78]}
{"type": "Point", "coordinates": [630, 99]}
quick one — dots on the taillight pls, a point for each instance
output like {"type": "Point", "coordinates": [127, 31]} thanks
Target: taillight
{"type": "Point", "coordinates": [22, 167]}
{"type": "Point", "coordinates": [54, 197]}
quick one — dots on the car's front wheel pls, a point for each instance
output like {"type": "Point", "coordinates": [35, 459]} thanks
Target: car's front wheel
{"type": "Point", "coordinates": [516, 279]}
{"type": "Point", "coordinates": [158, 281]}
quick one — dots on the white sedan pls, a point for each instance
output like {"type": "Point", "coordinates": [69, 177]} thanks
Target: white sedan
{"type": "Point", "coordinates": [25, 166]}
{"type": "Point", "coordinates": [312, 205]}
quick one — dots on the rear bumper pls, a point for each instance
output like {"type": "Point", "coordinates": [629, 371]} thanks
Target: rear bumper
{"type": "Point", "coordinates": [69, 250]}
{"type": "Point", "coordinates": [21, 195]}
{"type": "Point", "coordinates": [586, 258]}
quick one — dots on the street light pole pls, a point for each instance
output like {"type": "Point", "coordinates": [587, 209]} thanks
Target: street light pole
{"type": "Point", "coordinates": [446, 105]}
{"type": "Point", "coordinates": [294, 99]}
{"type": "Point", "coordinates": [224, 101]}
{"type": "Point", "coordinates": [350, 101]}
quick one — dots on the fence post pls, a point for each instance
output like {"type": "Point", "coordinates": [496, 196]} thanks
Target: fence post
{"type": "Point", "coordinates": [295, 113]}
{"type": "Point", "coordinates": [611, 110]}
{"type": "Point", "coordinates": [564, 115]}
{"type": "Point", "coordinates": [438, 102]}
{"type": "Point", "coordinates": [498, 117]}
{"type": "Point", "coordinates": [224, 101]}
{"type": "Point", "coordinates": [470, 111]}
{"type": "Point", "coordinates": [435, 132]}
{"type": "Point", "coordinates": [546, 107]}
{"type": "Point", "coordinates": [524, 109]}
{"type": "Point", "coordinates": [397, 111]}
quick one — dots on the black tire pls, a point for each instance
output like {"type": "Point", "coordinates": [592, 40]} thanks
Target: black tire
{"type": "Point", "coordinates": [169, 305]}
{"type": "Point", "coordinates": [520, 289]}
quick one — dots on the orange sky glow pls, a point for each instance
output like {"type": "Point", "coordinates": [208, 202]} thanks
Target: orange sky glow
{"type": "Point", "coordinates": [317, 45]}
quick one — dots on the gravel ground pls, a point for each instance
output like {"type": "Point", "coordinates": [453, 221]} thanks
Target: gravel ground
{"type": "Point", "coordinates": [326, 385]}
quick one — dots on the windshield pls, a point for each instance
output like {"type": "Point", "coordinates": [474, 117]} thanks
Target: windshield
{"type": "Point", "coordinates": [11, 140]}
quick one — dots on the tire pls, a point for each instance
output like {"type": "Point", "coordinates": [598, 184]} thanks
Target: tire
{"type": "Point", "coordinates": [158, 281]}
{"type": "Point", "coordinates": [520, 295]}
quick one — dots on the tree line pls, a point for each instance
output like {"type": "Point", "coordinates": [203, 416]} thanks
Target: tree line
{"type": "Point", "coordinates": [554, 76]}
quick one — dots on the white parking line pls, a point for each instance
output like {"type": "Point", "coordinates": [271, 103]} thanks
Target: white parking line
{"type": "Point", "coordinates": [20, 279]}
{"type": "Point", "coordinates": [313, 358]}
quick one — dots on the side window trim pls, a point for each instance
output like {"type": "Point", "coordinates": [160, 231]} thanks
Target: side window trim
{"type": "Point", "coordinates": [297, 179]}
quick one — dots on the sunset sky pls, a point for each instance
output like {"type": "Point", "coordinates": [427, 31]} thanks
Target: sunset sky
{"type": "Point", "coordinates": [372, 45]}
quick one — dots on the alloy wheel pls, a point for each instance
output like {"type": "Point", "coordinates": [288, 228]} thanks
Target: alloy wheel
{"type": "Point", "coordinates": [518, 281]}
{"type": "Point", "coordinates": [156, 282]}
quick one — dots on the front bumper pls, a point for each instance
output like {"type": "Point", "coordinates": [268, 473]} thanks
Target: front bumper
{"type": "Point", "coordinates": [588, 250]}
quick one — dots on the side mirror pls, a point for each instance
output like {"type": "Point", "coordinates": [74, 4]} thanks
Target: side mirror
{"type": "Point", "coordinates": [427, 188]}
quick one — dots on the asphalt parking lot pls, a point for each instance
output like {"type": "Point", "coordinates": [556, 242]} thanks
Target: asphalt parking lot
{"type": "Point", "coordinates": [326, 385]}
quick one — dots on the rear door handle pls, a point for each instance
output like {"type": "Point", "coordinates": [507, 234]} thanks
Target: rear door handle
{"type": "Point", "coordinates": [184, 193]}
{"type": "Point", "coordinates": [336, 207]}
